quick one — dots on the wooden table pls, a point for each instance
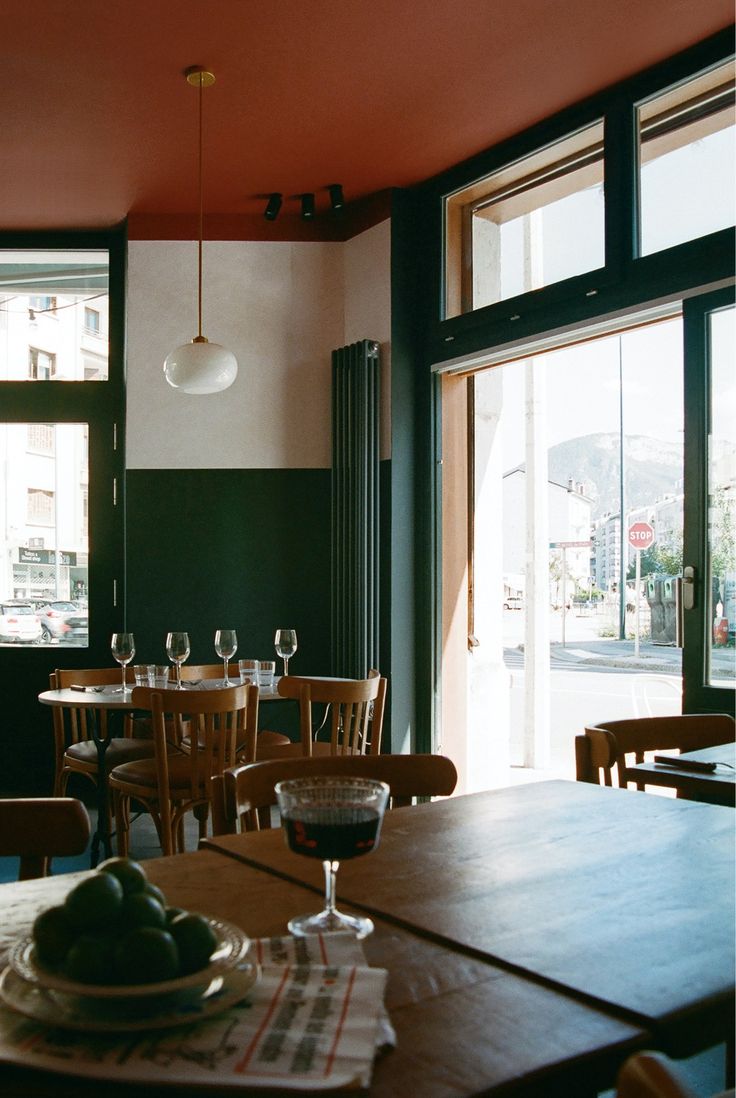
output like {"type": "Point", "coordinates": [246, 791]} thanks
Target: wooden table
{"type": "Point", "coordinates": [110, 698]}
{"type": "Point", "coordinates": [465, 1026]}
{"type": "Point", "coordinates": [718, 787]}
{"type": "Point", "coordinates": [623, 898]}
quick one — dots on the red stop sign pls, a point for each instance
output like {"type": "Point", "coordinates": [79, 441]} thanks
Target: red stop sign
{"type": "Point", "coordinates": [641, 535]}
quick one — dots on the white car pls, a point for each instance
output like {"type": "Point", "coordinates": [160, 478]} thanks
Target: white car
{"type": "Point", "coordinates": [18, 623]}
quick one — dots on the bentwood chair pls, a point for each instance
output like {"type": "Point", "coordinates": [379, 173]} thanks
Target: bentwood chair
{"type": "Point", "coordinates": [196, 734]}
{"type": "Point", "coordinates": [36, 829]}
{"type": "Point", "coordinates": [653, 1075]}
{"type": "Point", "coordinates": [194, 672]}
{"type": "Point", "coordinates": [240, 795]}
{"type": "Point", "coordinates": [75, 750]}
{"type": "Point", "coordinates": [607, 745]}
{"type": "Point", "coordinates": [354, 715]}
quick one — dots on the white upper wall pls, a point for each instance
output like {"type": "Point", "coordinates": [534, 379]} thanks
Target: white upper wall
{"type": "Point", "coordinates": [281, 308]}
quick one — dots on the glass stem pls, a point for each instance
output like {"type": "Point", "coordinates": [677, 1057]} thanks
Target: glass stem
{"type": "Point", "coordinates": [178, 675]}
{"type": "Point", "coordinates": [331, 869]}
{"type": "Point", "coordinates": [286, 666]}
{"type": "Point", "coordinates": [123, 670]}
{"type": "Point", "coordinates": [224, 664]}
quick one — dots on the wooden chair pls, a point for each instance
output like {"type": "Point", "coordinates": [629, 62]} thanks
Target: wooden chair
{"type": "Point", "coordinates": [220, 728]}
{"type": "Point", "coordinates": [36, 829]}
{"type": "Point", "coordinates": [75, 750]}
{"type": "Point", "coordinates": [355, 717]}
{"type": "Point", "coordinates": [242, 794]}
{"type": "Point", "coordinates": [606, 745]}
{"type": "Point", "coordinates": [194, 672]}
{"type": "Point", "coordinates": [653, 1075]}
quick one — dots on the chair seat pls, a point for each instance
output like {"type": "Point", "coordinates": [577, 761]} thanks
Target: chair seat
{"type": "Point", "coordinates": [119, 751]}
{"type": "Point", "coordinates": [142, 773]}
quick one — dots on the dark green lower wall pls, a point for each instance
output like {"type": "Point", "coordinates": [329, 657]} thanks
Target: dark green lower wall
{"type": "Point", "coordinates": [206, 549]}
{"type": "Point", "coordinates": [247, 549]}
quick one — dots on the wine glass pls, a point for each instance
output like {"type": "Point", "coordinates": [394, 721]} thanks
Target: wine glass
{"type": "Point", "coordinates": [332, 819]}
{"type": "Point", "coordinates": [285, 643]}
{"type": "Point", "coordinates": [177, 649]}
{"type": "Point", "coordinates": [226, 645]}
{"type": "Point", "coordinates": [122, 647]}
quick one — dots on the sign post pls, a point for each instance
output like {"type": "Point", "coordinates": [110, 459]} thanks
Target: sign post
{"type": "Point", "coordinates": [563, 545]}
{"type": "Point", "coordinates": [641, 536]}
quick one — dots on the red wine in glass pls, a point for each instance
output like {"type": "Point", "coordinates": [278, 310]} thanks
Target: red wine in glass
{"type": "Point", "coordinates": [331, 819]}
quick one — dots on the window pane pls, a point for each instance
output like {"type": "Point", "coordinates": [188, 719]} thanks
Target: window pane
{"type": "Point", "coordinates": [687, 161]}
{"type": "Point", "coordinates": [43, 540]}
{"type": "Point", "coordinates": [531, 224]}
{"type": "Point", "coordinates": [53, 315]}
{"type": "Point", "coordinates": [722, 496]}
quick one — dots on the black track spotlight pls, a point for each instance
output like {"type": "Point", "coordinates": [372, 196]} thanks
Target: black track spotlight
{"type": "Point", "coordinates": [337, 199]}
{"type": "Point", "coordinates": [307, 206]}
{"type": "Point", "coordinates": [273, 206]}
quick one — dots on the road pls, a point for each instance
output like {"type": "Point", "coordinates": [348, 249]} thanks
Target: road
{"type": "Point", "coordinates": [582, 695]}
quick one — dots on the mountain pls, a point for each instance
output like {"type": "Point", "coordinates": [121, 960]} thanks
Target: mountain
{"type": "Point", "coordinates": [652, 469]}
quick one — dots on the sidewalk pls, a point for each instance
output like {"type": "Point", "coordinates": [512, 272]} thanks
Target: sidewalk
{"type": "Point", "coordinates": [661, 659]}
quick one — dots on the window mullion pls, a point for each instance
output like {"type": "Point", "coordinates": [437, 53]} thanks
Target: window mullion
{"type": "Point", "coordinates": [621, 187]}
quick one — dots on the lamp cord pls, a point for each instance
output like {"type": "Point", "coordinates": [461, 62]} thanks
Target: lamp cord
{"type": "Point", "coordinates": [199, 254]}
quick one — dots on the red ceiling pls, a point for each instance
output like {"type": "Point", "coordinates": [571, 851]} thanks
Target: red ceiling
{"type": "Point", "coordinates": [98, 123]}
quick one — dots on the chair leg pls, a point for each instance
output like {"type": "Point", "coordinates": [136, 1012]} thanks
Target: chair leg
{"type": "Point", "coordinates": [202, 812]}
{"type": "Point", "coordinates": [122, 822]}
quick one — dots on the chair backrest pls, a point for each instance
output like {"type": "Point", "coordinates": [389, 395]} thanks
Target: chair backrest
{"type": "Point", "coordinates": [605, 746]}
{"type": "Point", "coordinates": [238, 794]}
{"type": "Point", "coordinates": [651, 1075]}
{"type": "Point", "coordinates": [217, 725]}
{"type": "Point", "coordinates": [355, 711]}
{"type": "Point", "coordinates": [36, 829]}
{"type": "Point", "coordinates": [194, 671]}
{"type": "Point", "coordinates": [72, 723]}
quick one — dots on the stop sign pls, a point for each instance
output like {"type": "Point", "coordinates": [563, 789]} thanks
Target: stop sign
{"type": "Point", "coordinates": [641, 535]}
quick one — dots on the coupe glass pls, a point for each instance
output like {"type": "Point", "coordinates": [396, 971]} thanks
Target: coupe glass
{"type": "Point", "coordinates": [331, 819]}
{"type": "Point", "coordinates": [285, 644]}
{"type": "Point", "coordinates": [122, 647]}
{"type": "Point", "coordinates": [177, 649]}
{"type": "Point", "coordinates": [226, 645]}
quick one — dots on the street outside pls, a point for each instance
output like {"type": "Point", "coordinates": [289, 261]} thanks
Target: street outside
{"type": "Point", "coordinates": [593, 678]}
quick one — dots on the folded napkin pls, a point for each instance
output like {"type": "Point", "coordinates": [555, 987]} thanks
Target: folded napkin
{"type": "Point", "coordinates": [314, 1020]}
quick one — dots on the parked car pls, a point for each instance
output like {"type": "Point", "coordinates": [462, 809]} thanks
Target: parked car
{"type": "Point", "coordinates": [513, 602]}
{"type": "Point", "coordinates": [77, 629]}
{"type": "Point", "coordinates": [53, 616]}
{"type": "Point", "coordinates": [18, 622]}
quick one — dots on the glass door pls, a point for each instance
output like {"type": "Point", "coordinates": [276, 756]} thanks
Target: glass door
{"type": "Point", "coordinates": [709, 565]}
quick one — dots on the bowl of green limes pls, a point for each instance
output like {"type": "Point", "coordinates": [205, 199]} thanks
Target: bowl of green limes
{"type": "Point", "coordinates": [115, 936]}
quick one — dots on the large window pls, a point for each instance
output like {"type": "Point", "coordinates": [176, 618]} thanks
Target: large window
{"type": "Point", "coordinates": [533, 223]}
{"type": "Point", "coordinates": [61, 441]}
{"type": "Point", "coordinates": [54, 313]}
{"type": "Point", "coordinates": [687, 161]}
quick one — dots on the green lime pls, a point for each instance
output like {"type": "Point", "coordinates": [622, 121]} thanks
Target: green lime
{"type": "Point", "coordinates": [140, 909]}
{"type": "Point", "coordinates": [90, 959]}
{"type": "Point", "coordinates": [131, 874]}
{"type": "Point", "coordinates": [155, 891]}
{"type": "Point", "coordinates": [146, 955]}
{"type": "Point", "coordinates": [53, 935]}
{"type": "Point", "coordinates": [195, 940]}
{"type": "Point", "coordinates": [94, 902]}
{"type": "Point", "coordinates": [172, 912]}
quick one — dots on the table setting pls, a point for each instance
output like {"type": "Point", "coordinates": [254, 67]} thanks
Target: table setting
{"type": "Point", "coordinates": [293, 1011]}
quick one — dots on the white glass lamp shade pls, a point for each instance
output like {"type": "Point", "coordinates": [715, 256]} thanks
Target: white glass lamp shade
{"type": "Point", "coordinates": [201, 367]}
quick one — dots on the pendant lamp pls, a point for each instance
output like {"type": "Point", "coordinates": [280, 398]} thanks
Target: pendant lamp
{"type": "Point", "coordinates": [200, 367]}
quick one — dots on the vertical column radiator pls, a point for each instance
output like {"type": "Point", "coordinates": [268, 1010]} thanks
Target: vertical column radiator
{"type": "Point", "coordinates": [355, 519]}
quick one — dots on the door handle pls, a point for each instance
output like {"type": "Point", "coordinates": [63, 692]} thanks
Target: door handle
{"type": "Point", "coordinates": [688, 587]}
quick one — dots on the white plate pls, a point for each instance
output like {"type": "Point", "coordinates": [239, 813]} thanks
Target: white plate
{"type": "Point", "coordinates": [63, 1011]}
{"type": "Point", "coordinates": [232, 945]}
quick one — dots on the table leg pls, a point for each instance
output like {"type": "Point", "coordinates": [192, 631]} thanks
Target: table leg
{"type": "Point", "coordinates": [101, 836]}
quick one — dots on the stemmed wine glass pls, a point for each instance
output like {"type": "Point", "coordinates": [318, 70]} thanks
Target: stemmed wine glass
{"type": "Point", "coordinates": [285, 643]}
{"type": "Point", "coordinates": [226, 645]}
{"type": "Point", "coordinates": [177, 649]}
{"type": "Point", "coordinates": [331, 819]}
{"type": "Point", "coordinates": [122, 647]}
